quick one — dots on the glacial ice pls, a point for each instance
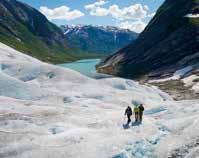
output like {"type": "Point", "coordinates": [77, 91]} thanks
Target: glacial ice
{"type": "Point", "coordinates": [49, 111]}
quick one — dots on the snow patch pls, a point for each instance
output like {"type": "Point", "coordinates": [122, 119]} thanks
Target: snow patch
{"type": "Point", "coordinates": [180, 73]}
{"type": "Point", "coordinates": [192, 15]}
{"type": "Point", "coordinates": [193, 82]}
{"type": "Point", "coordinates": [176, 76]}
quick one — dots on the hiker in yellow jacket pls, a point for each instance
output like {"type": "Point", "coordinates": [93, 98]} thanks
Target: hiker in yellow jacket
{"type": "Point", "coordinates": [136, 112]}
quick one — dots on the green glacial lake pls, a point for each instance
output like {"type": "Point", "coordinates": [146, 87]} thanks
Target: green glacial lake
{"type": "Point", "coordinates": [86, 67]}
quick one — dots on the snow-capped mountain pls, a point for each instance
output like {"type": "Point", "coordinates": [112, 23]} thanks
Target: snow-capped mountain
{"type": "Point", "coordinates": [98, 39]}
{"type": "Point", "coordinates": [47, 111]}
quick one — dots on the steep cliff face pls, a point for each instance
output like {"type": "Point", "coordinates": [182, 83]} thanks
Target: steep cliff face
{"type": "Point", "coordinates": [169, 42]}
{"type": "Point", "coordinates": [98, 39]}
{"type": "Point", "coordinates": [27, 30]}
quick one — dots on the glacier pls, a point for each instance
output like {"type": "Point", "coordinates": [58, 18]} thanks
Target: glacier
{"type": "Point", "coordinates": [50, 111]}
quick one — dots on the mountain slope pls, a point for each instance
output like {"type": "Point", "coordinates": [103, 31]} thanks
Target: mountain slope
{"type": "Point", "coordinates": [27, 30]}
{"type": "Point", "coordinates": [98, 39]}
{"type": "Point", "coordinates": [169, 42]}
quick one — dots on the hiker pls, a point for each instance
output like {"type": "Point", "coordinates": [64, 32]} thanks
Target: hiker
{"type": "Point", "coordinates": [128, 112]}
{"type": "Point", "coordinates": [141, 109]}
{"type": "Point", "coordinates": [136, 111]}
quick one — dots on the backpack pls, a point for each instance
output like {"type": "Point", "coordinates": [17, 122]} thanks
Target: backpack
{"type": "Point", "coordinates": [136, 109]}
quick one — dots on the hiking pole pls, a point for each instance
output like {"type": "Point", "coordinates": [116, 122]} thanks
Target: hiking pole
{"type": "Point", "coordinates": [124, 118]}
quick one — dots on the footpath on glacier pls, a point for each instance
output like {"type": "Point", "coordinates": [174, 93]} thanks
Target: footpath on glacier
{"type": "Point", "coordinates": [49, 111]}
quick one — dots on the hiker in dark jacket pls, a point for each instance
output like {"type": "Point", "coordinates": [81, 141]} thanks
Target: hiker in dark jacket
{"type": "Point", "coordinates": [141, 110]}
{"type": "Point", "coordinates": [128, 112]}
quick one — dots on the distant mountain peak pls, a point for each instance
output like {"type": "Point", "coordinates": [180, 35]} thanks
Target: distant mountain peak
{"type": "Point", "coordinates": [98, 39]}
{"type": "Point", "coordinates": [102, 27]}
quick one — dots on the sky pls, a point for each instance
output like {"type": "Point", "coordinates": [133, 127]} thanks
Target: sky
{"type": "Point", "coordinates": [128, 14]}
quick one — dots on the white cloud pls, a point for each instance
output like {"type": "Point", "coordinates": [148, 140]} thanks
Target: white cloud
{"type": "Point", "coordinates": [99, 12]}
{"type": "Point", "coordinates": [61, 13]}
{"type": "Point", "coordinates": [95, 5]}
{"type": "Point", "coordinates": [146, 7]}
{"type": "Point", "coordinates": [130, 17]}
{"type": "Point", "coordinates": [133, 12]}
{"type": "Point", "coordinates": [136, 26]}
{"type": "Point", "coordinates": [151, 15]}
{"type": "Point", "coordinates": [136, 11]}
